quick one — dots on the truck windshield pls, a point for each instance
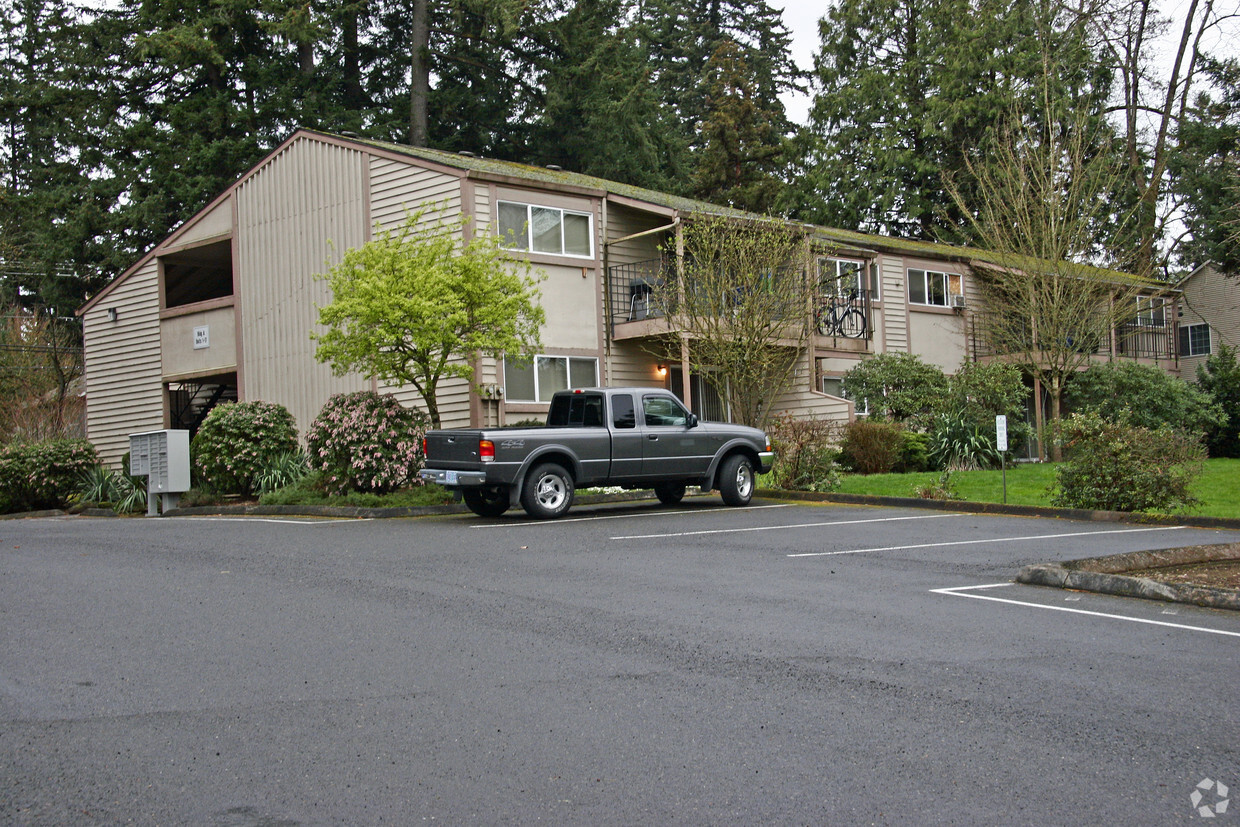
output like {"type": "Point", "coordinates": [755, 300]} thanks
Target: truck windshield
{"type": "Point", "coordinates": [581, 410]}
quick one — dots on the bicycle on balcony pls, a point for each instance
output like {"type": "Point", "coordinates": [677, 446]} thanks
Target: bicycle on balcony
{"type": "Point", "coordinates": [840, 316]}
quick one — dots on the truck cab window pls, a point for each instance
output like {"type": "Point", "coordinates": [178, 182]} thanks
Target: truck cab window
{"type": "Point", "coordinates": [577, 410]}
{"type": "Point", "coordinates": [663, 410]}
{"type": "Point", "coordinates": [622, 414]}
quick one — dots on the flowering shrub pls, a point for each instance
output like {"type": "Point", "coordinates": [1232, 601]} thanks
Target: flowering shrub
{"type": "Point", "coordinates": [43, 474]}
{"type": "Point", "coordinates": [366, 442]}
{"type": "Point", "coordinates": [238, 442]}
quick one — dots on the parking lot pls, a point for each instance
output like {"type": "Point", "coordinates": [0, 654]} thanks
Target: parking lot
{"type": "Point", "coordinates": [631, 663]}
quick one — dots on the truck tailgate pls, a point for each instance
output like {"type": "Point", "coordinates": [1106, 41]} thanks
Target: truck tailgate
{"type": "Point", "coordinates": [453, 449]}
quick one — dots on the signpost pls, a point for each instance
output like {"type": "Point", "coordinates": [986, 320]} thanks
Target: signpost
{"type": "Point", "coordinates": [1002, 444]}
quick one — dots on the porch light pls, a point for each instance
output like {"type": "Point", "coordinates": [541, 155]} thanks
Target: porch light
{"type": "Point", "coordinates": [662, 369]}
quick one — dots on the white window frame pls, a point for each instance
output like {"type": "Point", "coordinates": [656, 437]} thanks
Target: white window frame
{"type": "Point", "coordinates": [860, 408]}
{"type": "Point", "coordinates": [952, 285]}
{"type": "Point", "coordinates": [1187, 335]}
{"type": "Point", "coordinates": [1151, 311]}
{"type": "Point", "coordinates": [526, 245]}
{"type": "Point", "coordinates": [539, 395]}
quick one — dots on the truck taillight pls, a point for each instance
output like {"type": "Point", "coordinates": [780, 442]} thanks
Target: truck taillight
{"type": "Point", "coordinates": [486, 450]}
{"type": "Point", "coordinates": [424, 452]}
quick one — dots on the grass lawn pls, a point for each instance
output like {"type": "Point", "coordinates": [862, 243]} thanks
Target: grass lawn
{"type": "Point", "coordinates": [1029, 484]}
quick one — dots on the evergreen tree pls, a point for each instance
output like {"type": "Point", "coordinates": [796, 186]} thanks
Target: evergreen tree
{"type": "Point", "coordinates": [908, 88]}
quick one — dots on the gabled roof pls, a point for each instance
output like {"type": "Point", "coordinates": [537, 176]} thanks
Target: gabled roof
{"type": "Point", "coordinates": [514, 172]}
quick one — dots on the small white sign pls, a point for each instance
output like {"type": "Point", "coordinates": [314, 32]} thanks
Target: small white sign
{"type": "Point", "coordinates": [1001, 432]}
{"type": "Point", "coordinates": [202, 337]}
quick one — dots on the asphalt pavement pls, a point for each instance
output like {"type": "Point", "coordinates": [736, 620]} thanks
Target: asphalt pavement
{"type": "Point", "coordinates": [629, 664]}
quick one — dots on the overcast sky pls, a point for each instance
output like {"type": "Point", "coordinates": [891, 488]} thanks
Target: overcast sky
{"type": "Point", "coordinates": [801, 18]}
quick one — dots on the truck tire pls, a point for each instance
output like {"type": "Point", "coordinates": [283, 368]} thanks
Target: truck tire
{"type": "Point", "coordinates": [669, 493]}
{"type": "Point", "coordinates": [548, 492]}
{"type": "Point", "coordinates": [486, 502]}
{"type": "Point", "coordinates": [736, 480]}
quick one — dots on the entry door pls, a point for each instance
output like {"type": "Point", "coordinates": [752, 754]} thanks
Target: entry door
{"type": "Point", "coordinates": [671, 449]}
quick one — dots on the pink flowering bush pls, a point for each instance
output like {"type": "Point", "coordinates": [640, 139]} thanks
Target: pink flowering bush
{"type": "Point", "coordinates": [238, 442]}
{"type": "Point", "coordinates": [43, 474]}
{"type": "Point", "coordinates": [366, 442]}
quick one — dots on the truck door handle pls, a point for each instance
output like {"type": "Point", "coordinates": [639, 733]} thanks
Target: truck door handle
{"type": "Point", "coordinates": [653, 437]}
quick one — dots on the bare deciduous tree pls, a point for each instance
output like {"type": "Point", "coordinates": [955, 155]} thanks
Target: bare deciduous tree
{"type": "Point", "coordinates": [741, 307]}
{"type": "Point", "coordinates": [1046, 305]}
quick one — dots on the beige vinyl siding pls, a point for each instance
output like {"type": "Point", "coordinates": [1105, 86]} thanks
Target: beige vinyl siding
{"type": "Point", "coordinates": [212, 224]}
{"type": "Point", "coordinates": [287, 212]}
{"type": "Point", "coordinates": [181, 358]}
{"type": "Point", "coordinates": [1210, 298]}
{"type": "Point", "coordinates": [893, 336]}
{"type": "Point", "coordinates": [397, 188]}
{"type": "Point", "coordinates": [624, 221]}
{"type": "Point", "coordinates": [452, 398]}
{"type": "Point", "coordinates": [803, 403]}
{"type": "Point", "coordinates": [124, 391]}
{"type": "Point", "coordinates": [629, 365]}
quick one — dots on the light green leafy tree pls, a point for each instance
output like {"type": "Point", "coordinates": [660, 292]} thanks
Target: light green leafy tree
{"type": "Point", "coordinates": [419, 304]}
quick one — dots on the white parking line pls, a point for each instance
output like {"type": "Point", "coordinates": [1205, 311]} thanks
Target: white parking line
{"type": "Point", "coordinates": [315, 522]}
{"type": "Point", "coordinates": [960, 591]}
{"type": "Point", "coordinates": [780, 527]}
{"type": "Point", "coordinates": [988, 540]}
{"type": "Point", "coordinates": [630, 516]}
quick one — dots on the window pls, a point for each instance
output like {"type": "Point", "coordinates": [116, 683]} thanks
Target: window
{"type": "Point", "coordinates": [545, 230]}
{"type": "Point", "coordinates": [933, 288]}
{"type": "Point", "coordinates": [622, 415]}
{"type": "Point", "coordinates": [845, 278]}
{"type": "Point", "coordinates": [577, 410]}
{"type": "Point", "coordinates": [1151, 311]}
{"type": "Point", "coordinates": [837, 277]}
{"type": "Point", "coordinates": [537, 381]}
{"type": "Point", "coordinates": [834, 386]}
{"type": "Point", "coordinates": [664, 410]}
{"type": "Point", "coordinates": [1195, 340]}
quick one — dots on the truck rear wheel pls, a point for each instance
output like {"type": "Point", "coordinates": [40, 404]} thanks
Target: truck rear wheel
{"type": "Point", "coordinates": [736, 481]}
{"type": "Point", "coordinates": [669, 493]}
{"type": "Point", "coordinates": [548, 492]}
{"type": "Point", "coordinates": [486, 502]}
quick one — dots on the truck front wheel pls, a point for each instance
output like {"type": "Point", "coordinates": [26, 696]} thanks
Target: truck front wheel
{"type": "Point", "coordinates": [548, 492]}
{"type": "Point", "coordinates": [736, 482]}
{"type": "Point", "coordinates": [486, 502]}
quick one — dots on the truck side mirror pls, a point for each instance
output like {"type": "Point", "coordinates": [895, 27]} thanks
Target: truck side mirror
{"type": "Point", "coordinates": [692, 421]}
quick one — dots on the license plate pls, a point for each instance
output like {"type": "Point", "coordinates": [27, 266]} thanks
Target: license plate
{"type": "Point", "coordinates": [449, 478]}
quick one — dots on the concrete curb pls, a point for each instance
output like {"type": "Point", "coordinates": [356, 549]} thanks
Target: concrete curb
{"type": "Point", "coordinates": [1105, 575]}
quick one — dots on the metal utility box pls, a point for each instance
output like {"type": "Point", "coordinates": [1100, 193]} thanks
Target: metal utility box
{"type": "Point", "coordinates": [163, 458]}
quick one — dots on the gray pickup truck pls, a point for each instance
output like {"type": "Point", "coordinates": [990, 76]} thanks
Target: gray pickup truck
{"type": "Point", "coordinates": [626, 437]}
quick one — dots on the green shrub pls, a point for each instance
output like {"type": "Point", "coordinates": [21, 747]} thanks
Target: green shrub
{"type": "Point", "coordinates": [1143, 395]}
{"type": "Point", "coordinates": [285, 470]}
{"type": "Point", "coordinates": [896, 385]}
{"type": "Point", "coordinates": [871, 446]}
{"type": "Point", "coordinates": [43, 474]}
{"type": "Point", "coordinates": [1121, 467]}
{"type": "Point", "coordinates": [113, 489]}
{"type": "Point", "coordinates": [238, 442]}
{"type": "Point", "coordinates": [980, 391]}
{"type": "Point", "coordinates": [914, 453]}
{"type": "Point", "coordinates": [957, 443]}
{"type": "Point", "coordinates": [805, 456]}
{"type": "Point", "coordinates": [366, 442]}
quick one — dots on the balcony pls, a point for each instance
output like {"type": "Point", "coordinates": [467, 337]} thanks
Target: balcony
{"type": "Point", "coordinates": [1127, 341]}
{"type": "Point", "coordinates": [641, 293]}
